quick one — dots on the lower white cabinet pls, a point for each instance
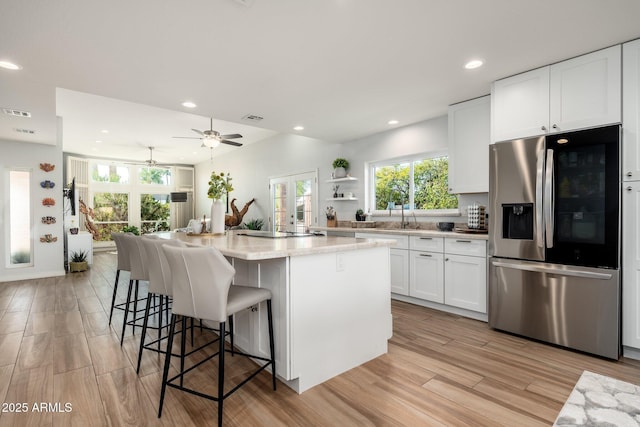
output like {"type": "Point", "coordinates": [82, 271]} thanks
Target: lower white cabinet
{"type": "Point", "coordinates": [427, 276]}
{"type": "Point", "coordinates": [81, 242]}
{"type": "Point", "coordinates": [399, 271]}
{"type": "Point", "coordinates": [631, 264]}
{"type": "Point", "coordinates": [465, 282]}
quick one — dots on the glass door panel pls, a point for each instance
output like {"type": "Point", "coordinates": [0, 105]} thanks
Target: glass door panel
{"type": "Point", "coordinates": [293, 202]}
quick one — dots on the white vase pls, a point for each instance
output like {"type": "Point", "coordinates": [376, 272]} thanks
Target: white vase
{"type": "Point", "coordinates": [217, 216]}
{"type": "Point", "coordinates": [339, 173]}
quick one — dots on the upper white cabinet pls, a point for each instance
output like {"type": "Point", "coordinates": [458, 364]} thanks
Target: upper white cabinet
{"type": "Point", "coordinates": [631, 111]}
{"type": "Point", "coordinates": [520, 105]}
{"type": "Point", "coordinates": [469, 138]}
{"type": "Point", "coordinates": [577, 93]}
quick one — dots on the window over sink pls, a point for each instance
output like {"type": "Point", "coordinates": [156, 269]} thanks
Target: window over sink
{"type": "Point", "coordinates": [417, 183]}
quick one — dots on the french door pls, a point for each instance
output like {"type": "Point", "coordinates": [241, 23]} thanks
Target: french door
{"type": "Point", "coordinates": [294, 202]}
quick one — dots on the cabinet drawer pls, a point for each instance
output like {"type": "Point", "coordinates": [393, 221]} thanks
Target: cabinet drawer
{"type": "Point", "coordinates": [425, 243]}
{"type": "Point", "coordinates": [462, 246]}
{"type": "Point", "coordinates": [402, 242]}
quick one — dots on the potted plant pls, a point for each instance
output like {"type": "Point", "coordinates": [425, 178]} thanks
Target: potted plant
{"type": "Point", "coordinates": [332, 217]}
{"type": "Point", "coordinates": [78, 262]}
{"type": "Point", "coordinates": [254, 224]}
{"type": "Point", "coordinates": [131, 229]}
{"type": "Point", "coordinates": [340, 167]}
{"type": "Point", "coordinates": [360, 215]}
{"type": "Point", "coordinates": [219, 186]}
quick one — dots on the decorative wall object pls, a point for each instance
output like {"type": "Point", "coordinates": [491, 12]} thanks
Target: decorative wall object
{"type": "Point", "coordinates": [48, 238]}
{"type": "Point", "coordinates": [47, 167]}
{"type": "Point", "coordinates": [48, 219]}
{"type": "Point", "coordinates": [47, 184]}
{"type": "Point", "coordinates": [88, 223]}
{"type": "Point", "coordinates": [48, 201]}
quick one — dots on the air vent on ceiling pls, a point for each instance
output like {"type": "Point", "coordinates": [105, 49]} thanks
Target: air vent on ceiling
{"type": "Point", "coordinates": [252, 118]}
{"type": "Point", "coordinates": [12, 112]}
{"type": "Point", "coordinates": [29, 131]}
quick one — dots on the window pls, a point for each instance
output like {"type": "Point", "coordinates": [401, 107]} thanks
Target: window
{"type": "Point", "coordinates": [102, 172]}
{"type": "Point", "coordinates": [158, 176]}
{"type": "Point", "coordinates": [111, 213]}
{"type": "Point", "coordinates": [20, 242]}
{"type": "Point", "coordinates": [154, 212]}
{"type": "Point", "coordinates": [415, 183]}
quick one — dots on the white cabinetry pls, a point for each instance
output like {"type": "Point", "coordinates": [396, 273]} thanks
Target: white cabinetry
{"type": "Point", "coordinates": [577, 93]}
{"type": "Point", "coordinates": [631, 111]}
{"type": "Point", "coordinates": [469, 138]}
{"type": "Point", "coordinates": [465, 271]}
{"type": "Point", "coordinates": [427, 276]}
{"type": "Point", "coordinates": [631, 198]}
{"type": "Point", "coordinates": [631, 265]}
{"type": "Point", "coordinates": [81, 242]}
{"type": "Point", "coordinates": [399, 259]}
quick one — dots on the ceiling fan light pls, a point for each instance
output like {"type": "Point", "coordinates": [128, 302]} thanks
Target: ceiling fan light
{"type": "Point", "coordinates": [189, 104]}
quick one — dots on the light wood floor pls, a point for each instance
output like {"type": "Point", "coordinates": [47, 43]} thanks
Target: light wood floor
{"type": "Point", "coordinates": [56, 347]}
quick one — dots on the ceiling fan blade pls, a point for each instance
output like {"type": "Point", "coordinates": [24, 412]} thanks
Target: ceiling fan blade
{"type": "Point", "coordinates": [231, 136]}
{"type": "Point", "coordinates": [198, 131]}
{"type": "Point", "coordinates": [237, 144]}
{"type": "Point", "coordinates": [186, 137]}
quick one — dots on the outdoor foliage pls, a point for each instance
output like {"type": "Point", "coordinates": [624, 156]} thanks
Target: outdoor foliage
{"type": "Point", "coordinates": [430, 185]}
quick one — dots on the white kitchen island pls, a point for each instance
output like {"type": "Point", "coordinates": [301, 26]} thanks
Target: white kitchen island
{"type": "Point", "coordinates": [330, 296]}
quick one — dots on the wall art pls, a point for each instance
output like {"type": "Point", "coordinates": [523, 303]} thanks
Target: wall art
{"type": "Point", "coordinates": [47, 167]}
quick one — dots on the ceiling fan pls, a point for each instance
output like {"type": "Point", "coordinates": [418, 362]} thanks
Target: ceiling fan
{"type": "Point", "coordinates": [151, 163]}
{"type": "Point", "coordinates": [212, 138]}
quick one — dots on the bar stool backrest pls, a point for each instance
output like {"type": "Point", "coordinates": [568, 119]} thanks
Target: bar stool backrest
{"type": "Point", "coordinates": [124, 264]}
{"type": "Point", "coordinates": [138, 272]}
{"type": "Point", "coordinates": [157, 264]}
{"type": "Point", "coordinates": [201, 278]}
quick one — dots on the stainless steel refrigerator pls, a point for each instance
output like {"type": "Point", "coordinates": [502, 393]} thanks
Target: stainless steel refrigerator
{"type": "Point", "coordinates": [554, 239]}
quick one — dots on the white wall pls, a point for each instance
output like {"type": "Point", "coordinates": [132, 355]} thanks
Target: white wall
{"type": "Point", "coordinates": [48, 258]}
{"type": "Point", "coordinates": [251, 167]}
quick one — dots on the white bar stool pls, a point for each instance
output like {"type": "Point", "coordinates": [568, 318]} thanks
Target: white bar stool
{"type": "Point", "coordinates": [201, 281]}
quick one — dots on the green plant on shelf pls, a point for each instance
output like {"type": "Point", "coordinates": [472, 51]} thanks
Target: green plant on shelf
{"type": "Point", "coordinates": [131, 229]}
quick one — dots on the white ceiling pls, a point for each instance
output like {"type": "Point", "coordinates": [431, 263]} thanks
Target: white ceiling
{"type": "Point", "coordinates": [340, 68]}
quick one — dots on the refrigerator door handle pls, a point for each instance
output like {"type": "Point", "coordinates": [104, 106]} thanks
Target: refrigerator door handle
{"type": "Point", "coordinates": [539, 198]}
{"type": "Point", "coordinates": [548, 201]}
{"type": "Point", "coordinates": [553, 270]}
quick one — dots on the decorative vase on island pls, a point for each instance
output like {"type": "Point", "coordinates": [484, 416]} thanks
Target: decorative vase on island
{"type": "Point", "coordinates": [217, 216]}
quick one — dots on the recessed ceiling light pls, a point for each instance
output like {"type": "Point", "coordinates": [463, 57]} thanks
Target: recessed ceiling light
{"type": "Point", "coordinates": [98, 141]}
{"type": "Point", "coordinates": [189, 104]}
{"type": "Point", "coordinates": [393, 122]}
{"type": "Point", "coordinates": [298, 128]}
{"type": "Point", "coordinates": [104, 131]}
{"type": "Point", "coordinates": [473, 64]}
{"type": "Point", "coordinates": [9, 65]}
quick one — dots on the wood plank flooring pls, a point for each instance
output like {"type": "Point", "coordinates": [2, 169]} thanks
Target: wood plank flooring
{"type": "Point", "coordinates": [57, 348]}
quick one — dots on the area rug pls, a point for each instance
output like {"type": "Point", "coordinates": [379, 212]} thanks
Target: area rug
{"type": "Point", "coordinates": [597, 400]}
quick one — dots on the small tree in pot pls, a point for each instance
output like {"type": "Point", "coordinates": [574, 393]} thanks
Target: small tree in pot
{"type": "Point", "coordinates": [360, 215]}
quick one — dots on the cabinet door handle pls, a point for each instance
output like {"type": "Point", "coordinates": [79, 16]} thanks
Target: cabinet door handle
{"type": "Point", "coordinates": [629, 174]}
{"type": "Point", "coordinates": [463, 241]}
{"type": "Point", "coordinates": [544, 128]}
{"type": "Point", "coordinates": [427, 255]}
{"type": "Point", "coordinates": [446, 259]}
{"type": "Point", "coordinates": [555, 126]}
{"type": "Point", "coordinates": [426, 238]}
{"type": "Point", "coordinates": [629, 188]}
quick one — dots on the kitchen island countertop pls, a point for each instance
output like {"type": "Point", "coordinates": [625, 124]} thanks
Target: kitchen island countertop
{"type": "Point", "coordinates": [259, 248]}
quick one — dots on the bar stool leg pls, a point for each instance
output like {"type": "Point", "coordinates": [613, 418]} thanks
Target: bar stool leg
{"type": "Point", "coordinates": [271, 343]}
{"type": "Point", "coordinates": [167, 362]}
{"type": "Point", "coordinates": [221, 374]}
{"type": "Point", "coordinates": [144, 333]}
{"type": "Point", "coordinates": [113, 298]}
{"type": "Point", "coordinates": [160, 321]}
{"type": "Point", "coordinates": [135, 308]}
{"type": "Point", "coordinates": [231, 335]}
{"type": "Point", "coordinates": [183, 345]}
{"type": "Point", "coordinates": [126, 312]}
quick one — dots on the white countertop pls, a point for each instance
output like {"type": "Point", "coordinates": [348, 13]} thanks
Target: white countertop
{"type": "Point", "coordinates": [256, 248]}
{"type": "Point", "coordinates": [407, 232]}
